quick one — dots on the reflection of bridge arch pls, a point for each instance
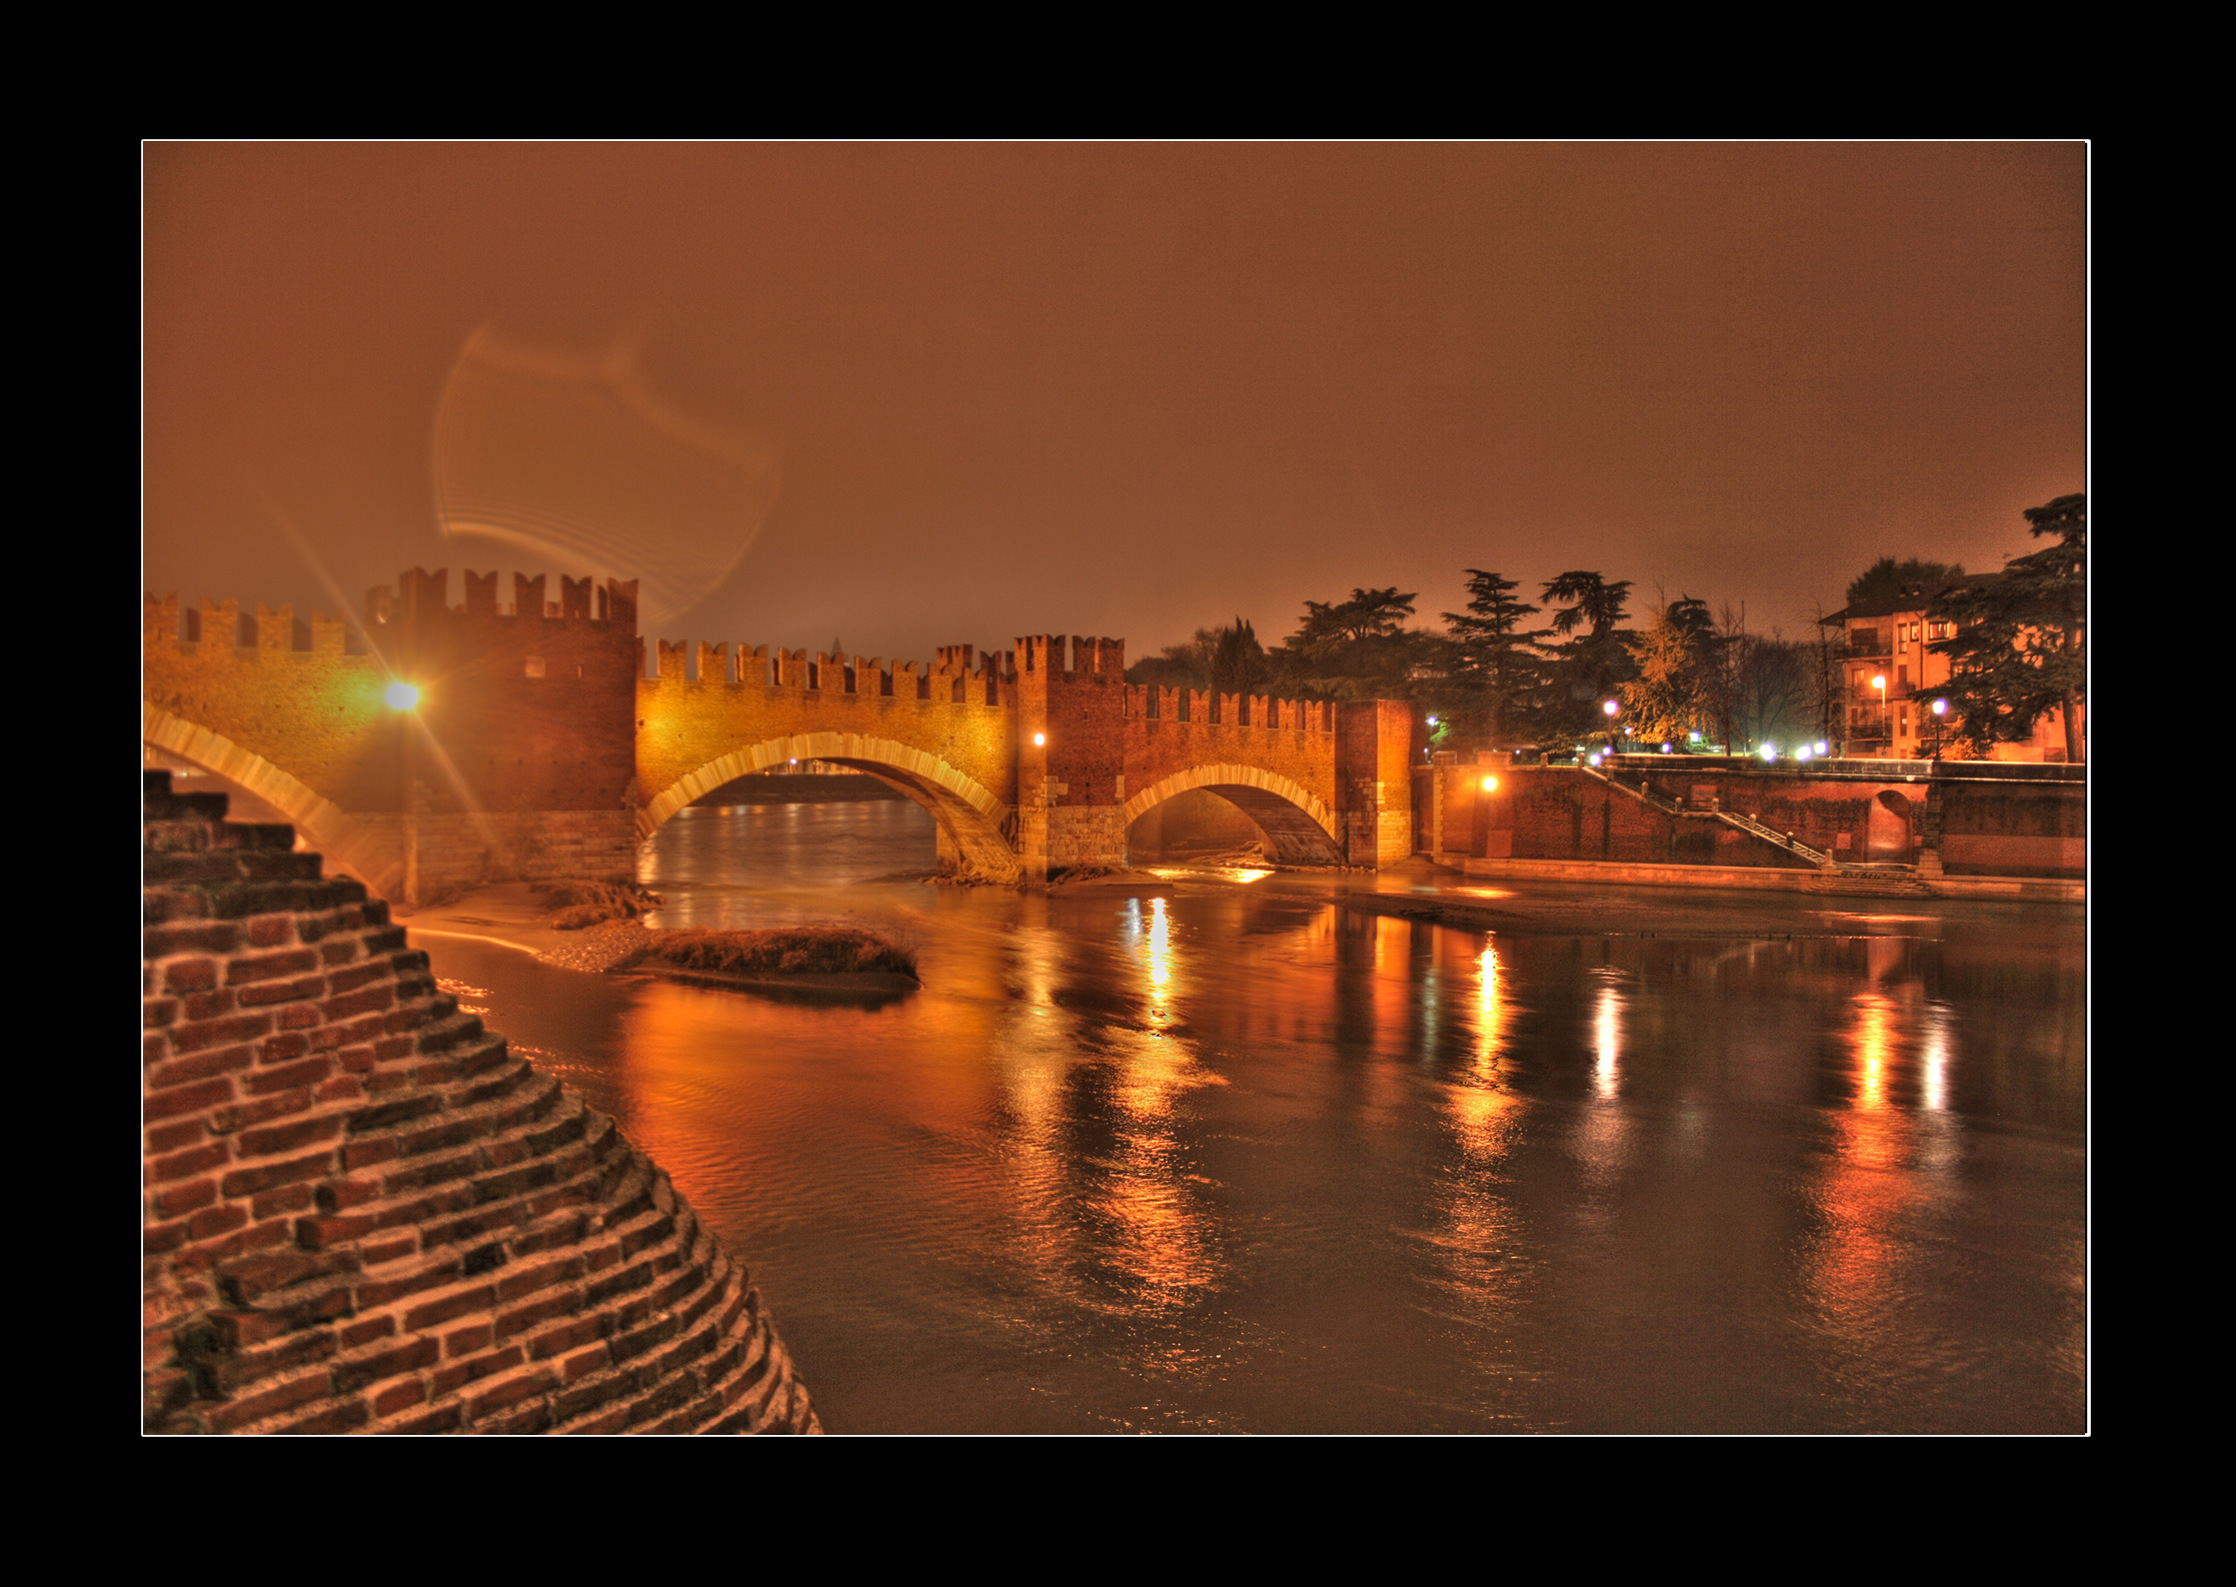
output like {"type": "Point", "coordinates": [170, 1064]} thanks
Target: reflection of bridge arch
{"type": "Point", "coordinates": [321, 823]}
{"type": "Point", "coordinates": [970, 819]}
{"type": "Point", "coordinates": [1300, 829]}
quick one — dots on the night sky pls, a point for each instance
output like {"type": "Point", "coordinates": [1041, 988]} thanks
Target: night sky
{"type": "Point", "coordinates": [923, 394]}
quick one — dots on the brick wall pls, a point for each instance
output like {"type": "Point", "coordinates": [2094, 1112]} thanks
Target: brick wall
{"type": "Point", "coordinates": [1982, 827]}
{"type": "Point", "coordinates": [1175, 730]}
{"type": "Point", "coordinates": [682, 723]}
{"type": "Point", "coordinates": [362, 1213]}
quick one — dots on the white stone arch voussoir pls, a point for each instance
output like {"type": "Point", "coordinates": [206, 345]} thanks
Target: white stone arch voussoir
{"type": "Point", "coordinates": [323, 825]}
{"type": "Point", "coordinates": [1217, 777]}
{"type": "Point", "coordinates": [952, 787]}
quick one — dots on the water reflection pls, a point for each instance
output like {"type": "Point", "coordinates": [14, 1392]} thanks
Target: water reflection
{"type": "Point", "coordinates": [1602, 1137]}
{"type": "Point", "coordinates": [1607, 1038]}
{"type": "Point", "coordinates": [1889, 1189]}
{"type": "Point", "coordinates": [1197, 1155]}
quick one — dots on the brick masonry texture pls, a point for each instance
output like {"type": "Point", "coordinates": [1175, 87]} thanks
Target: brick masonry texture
{"type": "Point", "coordinates": [558, 755]}
{"type": "Point", "coordinates": [1980, 828]}
{"type": "Point", "coordinates": [361, 1213]}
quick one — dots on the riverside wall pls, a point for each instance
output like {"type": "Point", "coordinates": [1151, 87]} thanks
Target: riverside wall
{"type": "Point", "coordinates": [1982, 821]}
{"type": "Point", "coordinates": [362, 1212]}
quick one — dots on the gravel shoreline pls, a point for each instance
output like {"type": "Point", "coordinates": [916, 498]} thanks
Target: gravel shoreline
{"type": "Point", "coordinates": [598, 949]}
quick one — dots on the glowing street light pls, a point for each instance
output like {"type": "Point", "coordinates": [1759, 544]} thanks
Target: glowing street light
{"type": "Point", "coordinates": [1879, 682]}
{"type": "Point", "coordinates": [1940, 712]}
{"type": "Point", "coordinates": [405, 697]}
{"type": "Point", "coordinates": [1039, 740]}
{"type": "Point", "coordinates": [1490, 785]}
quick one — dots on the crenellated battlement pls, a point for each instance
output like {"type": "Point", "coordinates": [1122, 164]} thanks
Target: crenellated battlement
{"type": "Point", "coordinates": [269, 628]}
{"type": "Point", "coordinates": [1202, 708]}
{"type": "Point", "coordinates": [419, 594]}
{"type": "Point", "coordinates": [1045, 655]}
{"type": "Point", "coordinates": [551, 713]}
{"type": "Point", "coordinates": [957, 674]}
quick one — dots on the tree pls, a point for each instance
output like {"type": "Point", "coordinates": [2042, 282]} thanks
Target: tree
{"type": "Point", "coordinates": [1237, 662]}
{"type": "Point", "coordinates": [1675, 658]}
{"type": "Point", "coordinates": [2016, 644]}
{"type": "Point", "coordinates": [1493, 670]}
{"type": "Point", "coordinates": [1367, 615]}
{"type": "Point", "coordinates": [1228, 659]}
{"type": "Point", "coordinates": [1183, 666]}
{"type": "Point", "coordinates": [1590, 659]}
{"type": "Point", "coordinates": [1766, 689]}
{"type": "Point", "coordinates": [1889, 580]}
{"type": "Point", "coordinates": [1360, 649]}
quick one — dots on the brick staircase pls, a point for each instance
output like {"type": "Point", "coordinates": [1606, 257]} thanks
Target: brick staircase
{"type": "Point", "coordinates": [362, 1213]}
{"type": "Point", "coordinates": [1747, 824]}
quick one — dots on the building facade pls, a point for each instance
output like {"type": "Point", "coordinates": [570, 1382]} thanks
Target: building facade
{"type": "Point", "coordinates": [1883, 651]}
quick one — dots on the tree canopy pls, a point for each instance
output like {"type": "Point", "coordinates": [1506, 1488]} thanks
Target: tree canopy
{"type": "Point", "coordinates": [1227, 659]}
{"type": "Point", "coordinates": [1359, 649]}
{"type": "Point", "coordinates": [2016, 647]}
{"type": "Point", "coordinates": [1675, 659]}
{"type": "Point", "coordinates": [1912, 577]}
{"type": "Point", "coordinates": [1494, 668]}
{"type": "Point", "coordinates": [1586, 646]}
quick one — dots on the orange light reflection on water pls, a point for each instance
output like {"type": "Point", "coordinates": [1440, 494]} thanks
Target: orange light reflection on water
{"type": "Point", "coordinates": [1607, 1042]}
{"type": "Point", "coordinates": [1475, 1248]}
{"type": "Point", "coordinates": [1887, 1166]}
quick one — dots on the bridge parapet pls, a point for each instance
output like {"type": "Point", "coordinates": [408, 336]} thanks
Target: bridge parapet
{"type": "Point", "coordinates": [525, 728]}
{"type": "Point", "coordinates": [538, 723]}
{"type": "Point", "coordinates": [942, 732]}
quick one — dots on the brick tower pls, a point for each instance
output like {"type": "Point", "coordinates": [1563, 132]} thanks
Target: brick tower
{"type": "Point", "coordinates": [1071, 754]}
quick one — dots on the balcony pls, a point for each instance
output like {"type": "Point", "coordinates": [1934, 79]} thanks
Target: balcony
{"type": "Point", "coordinates": [1866, 695]}
{"type": "Point", "coordinates": [1868, 646]}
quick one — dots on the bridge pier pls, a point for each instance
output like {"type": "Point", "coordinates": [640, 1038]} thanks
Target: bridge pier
{"type": "Point", "coordinates": [1071, 755]}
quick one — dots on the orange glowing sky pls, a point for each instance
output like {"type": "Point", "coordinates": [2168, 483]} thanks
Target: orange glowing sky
{"type": "Point", "coordinates": [986, 390]}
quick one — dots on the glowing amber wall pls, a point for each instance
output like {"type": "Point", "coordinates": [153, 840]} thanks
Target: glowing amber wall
{"type": "Point", "coordinates": [953, 711]}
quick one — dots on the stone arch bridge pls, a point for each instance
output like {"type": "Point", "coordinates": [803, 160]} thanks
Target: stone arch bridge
{"type": "Point", "coordinates": [542, 744]}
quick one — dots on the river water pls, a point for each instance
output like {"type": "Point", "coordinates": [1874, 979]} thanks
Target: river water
{"type": "Point", "coordinates": [1212, 1153]}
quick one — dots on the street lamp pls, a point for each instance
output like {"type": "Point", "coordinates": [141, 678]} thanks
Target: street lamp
{"type": "Point", "coordinates": [1879, 682]}
{"type": "Point", "coordinates": [1940, 710]}
{"type": "Point", "coordinates": [403, 698]}
{"type": "Point", "coordinates": [1613, 708]}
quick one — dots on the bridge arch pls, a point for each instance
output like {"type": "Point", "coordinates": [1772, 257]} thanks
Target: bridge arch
{"type": "Point", "coordinates": [318, 821]}
{"type": "Point", "coordinates": [971, 819]}
{"type": "Point", "coordinates": [1300, 829]}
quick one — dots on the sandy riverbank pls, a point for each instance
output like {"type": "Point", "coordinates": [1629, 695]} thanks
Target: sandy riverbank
{"type": "Point", "coordinates": [511, 916]}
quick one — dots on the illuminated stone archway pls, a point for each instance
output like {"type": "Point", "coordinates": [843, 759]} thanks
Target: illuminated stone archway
{"type": "Point", "coordinates": [1299, 828]}
{"type": "Point", "coordinates": [971, 820]}
{"type": "Point", "coordinates": [319, 823]}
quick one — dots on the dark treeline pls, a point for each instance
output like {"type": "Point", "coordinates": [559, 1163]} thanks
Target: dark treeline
{"type": "Point", "coordinates": [1514, 673]}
